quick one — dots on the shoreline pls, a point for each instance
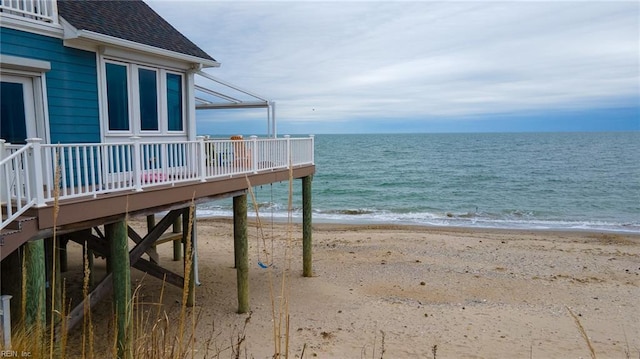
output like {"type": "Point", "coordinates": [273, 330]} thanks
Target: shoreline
{"type": "Point", "coordinates": [420, 227]}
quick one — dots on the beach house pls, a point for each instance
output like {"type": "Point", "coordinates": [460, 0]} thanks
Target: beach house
{"type": "Point", "coordinates": [98, 122]}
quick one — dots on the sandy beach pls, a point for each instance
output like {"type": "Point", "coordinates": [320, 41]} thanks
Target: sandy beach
{"type": "Point", "coordinates": [414, 292]}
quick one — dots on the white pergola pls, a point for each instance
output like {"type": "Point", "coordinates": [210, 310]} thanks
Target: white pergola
{"type": "Point", "coordinates": [216, 96]}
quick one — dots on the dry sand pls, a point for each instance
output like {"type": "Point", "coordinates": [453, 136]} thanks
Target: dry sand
{"type": "Point", "coordinates": [468, 293]}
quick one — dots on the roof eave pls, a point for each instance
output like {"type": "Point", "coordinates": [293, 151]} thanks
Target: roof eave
{"type": "Point", "coordinates": [72, 33]}
{"type": "Point", "coordinates": [90, 35]}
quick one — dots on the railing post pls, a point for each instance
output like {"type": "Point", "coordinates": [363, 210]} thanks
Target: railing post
{"type": "Point", "coordinates": [202, 158]}
{"type": "Point", "coordinates": [313, 140]}
{"type": "Point", "coordinates": [37, 180]}
{"type": "Point", "coordinates": [288, 139]}
{"type": "Point", "coordinates": [254, 153]}
{"type": "Point", "coordinates": [3, 182]}
{"type": "Point", "coordinates": [136, 160]}
{"type": "Point", "coordinates": [5, 311]}
{"type": "Point", "coordinates": [54, 11]}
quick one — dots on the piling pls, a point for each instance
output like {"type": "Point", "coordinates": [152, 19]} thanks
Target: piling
{"type": "Point", "coordinates": [53, 276]}
{"type": "Point", "coordinates": [63, 255]}
{"type": "Point", "coordinates": [307, 268]}
{"type": "Point", "coordinates": [116, 234]}
{"type": "Point", "coordinates": [187, 241]}
{"type": "Point", "coordinates": [241, 251]}
{"type": "Point", "coordinates": [177, 244]}
{"type": "Point", "coordinates": [89, 265]}
{"type": "Point", "coordinates": [35, 286]}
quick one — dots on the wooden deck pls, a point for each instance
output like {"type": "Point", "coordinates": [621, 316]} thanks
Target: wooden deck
{"type": "Point", "coordinates": [83, 213]}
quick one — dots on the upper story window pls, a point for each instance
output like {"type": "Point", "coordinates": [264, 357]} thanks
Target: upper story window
{"type": "Point", "coordinates": [148, 88]}
{"type": "Point", "coordinates": [143, 100]}
{"type": "Point", "coordinates": [174, 102]}
{"type": "Point", "coordinates": [117, 97]}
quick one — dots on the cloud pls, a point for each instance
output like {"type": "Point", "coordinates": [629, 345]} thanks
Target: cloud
{"type": "Point", "coordinates": [336, 62]}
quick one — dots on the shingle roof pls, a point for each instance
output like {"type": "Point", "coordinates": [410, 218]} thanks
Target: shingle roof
{"type": "Point", "coordinates": [131, 20]}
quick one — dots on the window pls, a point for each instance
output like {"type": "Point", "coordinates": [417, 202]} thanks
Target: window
{"type": "Point", "coordinates": [174, 102]}
{"type": "Point", "coordinates": [142, 100]}
{"type": "Point", "coordinates": [117, 97]}
{"type": "Point", "coordinates": [148, 88]}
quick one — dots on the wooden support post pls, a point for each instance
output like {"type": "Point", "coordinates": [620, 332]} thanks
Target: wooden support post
{"type": "Point", "coordinates": [89, 263]}
{"type": "Point", "coordinates": [36, 306]}
{"type": "Point", "coordinates": [187, 241]}
{"type": "Point", "coordinates": [177, 247]}
{"type": "Point", "coordinates": [83, 238]}
{"type": "Point", "coordinates": [117, 236]}
{"type": "Point", "coordinates": [53, 276]}
{"type": "Point", "coordinates": [307, 260]}
{"type": "Point", "coordinates": [151, 222]}
{"type": "Point", "coordinates": [241, 251]}
{"type": "Point", "coordinates": [109, 261]}
{"type": "Point", "coordinates": [63, 255]}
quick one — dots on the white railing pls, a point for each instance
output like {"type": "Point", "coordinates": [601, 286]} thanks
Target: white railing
{"type": "Point", "coordinates": [37, 173]}
{"type": "Point", "coordinates": [78, 170]}
{"type": "Point", "coordinates": [39, 10]}
{"type": "Point", "coordinates": [16, 173]}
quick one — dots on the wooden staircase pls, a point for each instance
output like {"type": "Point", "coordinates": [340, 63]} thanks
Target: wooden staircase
{"type": "Point", "coordinates": [17, 232]}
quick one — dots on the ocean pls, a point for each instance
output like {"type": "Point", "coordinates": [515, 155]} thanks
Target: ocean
{"type": "Point", "coordinates": [577, 181]}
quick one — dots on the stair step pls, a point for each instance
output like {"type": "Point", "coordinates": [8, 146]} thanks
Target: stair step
{"type": "Point", "coordinates": [14, 227]}
{"type": "Point", "coordinates": [31, 212]}
{"type": "Point", "coordinates": [6, 232]}
{"type": "Point", "coordinates": [11, 240]}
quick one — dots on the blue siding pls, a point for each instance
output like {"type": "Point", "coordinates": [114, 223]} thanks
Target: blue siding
{"type": "Point", "coordinates": [72, 84]}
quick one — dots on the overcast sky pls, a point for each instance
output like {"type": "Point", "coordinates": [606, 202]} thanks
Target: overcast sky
{"type": "Point", "coordinates": [345, 67]}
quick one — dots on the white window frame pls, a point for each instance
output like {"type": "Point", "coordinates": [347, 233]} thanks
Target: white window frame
{"type": "Point", "coordinates": [165, 109]}
{"type": "Point", "coordinates": [135, 125]}
{"type": "Point", "coordinates": [104, 102]}
{"type": "Point", "coordinates": [137, 115]}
